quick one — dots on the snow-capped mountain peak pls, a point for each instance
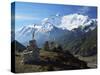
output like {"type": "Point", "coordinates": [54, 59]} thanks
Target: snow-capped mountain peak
{"type": "Point", "coordinates": [28, 27]}
{"type": "Point", "coordinates": [74, 21]}
{"type": "Point", "coordinates": [46, 27]}
{"type": "Point", "coordinates": [55, 27]}
{"type": "Point", "coordinates": [58, 15]}
{"type": "Point", "coordinates": [54, 19]}
{"type": "Point", "coordinates": [68, 22]}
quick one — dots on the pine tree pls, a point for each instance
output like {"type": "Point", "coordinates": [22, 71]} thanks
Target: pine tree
{"type": "Point", "coordinates": [46, 46]}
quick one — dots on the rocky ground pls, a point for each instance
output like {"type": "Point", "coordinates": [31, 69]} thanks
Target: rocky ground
{"type": "Point", "coordinates": [51, 61]}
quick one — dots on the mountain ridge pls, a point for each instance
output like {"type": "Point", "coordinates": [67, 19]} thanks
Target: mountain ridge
{"type": "Point", "coordinates": [48, 31]}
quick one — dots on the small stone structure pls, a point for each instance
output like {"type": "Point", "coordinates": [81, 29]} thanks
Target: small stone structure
{"type": "Point", "coordinates": [31, 54]}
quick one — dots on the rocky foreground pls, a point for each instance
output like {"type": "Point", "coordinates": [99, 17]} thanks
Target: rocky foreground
{"type": "Point", "coordinates": [51, 61]}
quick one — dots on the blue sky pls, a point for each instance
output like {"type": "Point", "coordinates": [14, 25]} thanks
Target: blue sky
{"type": "Point", "coordinates": [29, 13]}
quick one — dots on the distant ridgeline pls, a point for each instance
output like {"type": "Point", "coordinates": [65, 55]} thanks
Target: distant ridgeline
{"type": "Point", "coordinates": [18, 46]}
{"type": "Point", "coordinates": [77, 42]}
{"type": "Point", "coordinates": [84, 44]}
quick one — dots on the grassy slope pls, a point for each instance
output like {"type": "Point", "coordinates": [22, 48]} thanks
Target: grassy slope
{"type": "Point", "coordinates": [85, 45]}
{"type": "Point", "coordinates": [91, 61]}
{"type": "Point", "coordinates": [56, 62]}
{"type": "Point", "coordinates": [31, 67]}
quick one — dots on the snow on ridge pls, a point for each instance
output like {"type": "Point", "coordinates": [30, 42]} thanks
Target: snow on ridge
{"type": "Point", "coordinates": [31, 26]}
{"type": "Point", "coordinates": [46, 27]}
{"type": "Point", "coordinates": [56, 25]}
{"type": "Point", "coordinates": [68, 22]}
{"type": "Point", "coordinates": [54, 19]}
{"type": "Point", "coordinates": [73, 21]}
{"type": "Point", "coordinates": [36, 26]}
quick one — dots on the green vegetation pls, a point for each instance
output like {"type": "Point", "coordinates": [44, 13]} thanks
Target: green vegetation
{"type": "Point", "coordinates": [86, 45]}
{"type": "Point", "coordinates": [46, 46]}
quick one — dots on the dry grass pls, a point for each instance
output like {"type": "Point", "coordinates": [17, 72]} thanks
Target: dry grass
{"type": "Point", "coordinates": [92, 61]}
{"type": "Point", "coordinates": [45, 55]}
{"type": "Point", "coordinates": [20, 68]}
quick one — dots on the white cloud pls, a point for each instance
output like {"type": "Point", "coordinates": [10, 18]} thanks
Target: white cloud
{"type": "Point", "coordinates": [25, 17]}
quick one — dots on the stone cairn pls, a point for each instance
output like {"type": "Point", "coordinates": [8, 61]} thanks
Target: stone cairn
{"type": "Point", "coordinates": [31, 54]}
